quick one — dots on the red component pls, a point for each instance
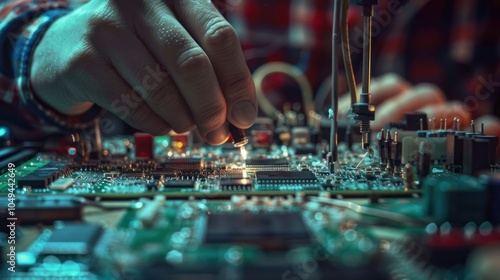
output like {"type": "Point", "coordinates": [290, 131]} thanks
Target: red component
{"type": "Point", "coordinates": [143, 145]}
{"type": "Point", "coordinates": [180, 142]}
{"type": "Point", "coordinates": [262, 138]}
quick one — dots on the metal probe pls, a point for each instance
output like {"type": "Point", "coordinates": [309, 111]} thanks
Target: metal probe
{"type": "Point", "coordinates": [364, 111]}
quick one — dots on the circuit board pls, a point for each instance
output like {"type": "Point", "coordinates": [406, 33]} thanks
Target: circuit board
{"type": "Point", "coordinates": [274, 211]}
{"type": "Point", "coordinates": [212, 173]}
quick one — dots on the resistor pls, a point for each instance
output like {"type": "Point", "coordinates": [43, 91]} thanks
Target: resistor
{"type": "Point", "coordinates": [409, 176]}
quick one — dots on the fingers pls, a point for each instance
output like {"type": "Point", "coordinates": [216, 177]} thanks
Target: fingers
{"type": "Point", "coordinates": [383, 88]}
{"type": "Point", "coordinates": [120, 99]}
{"type": "Point", "coordinates": [149, 80]}
{"type": "Point", "coordinates": [412, 100]}
{"type": "Point", "coordinates": [190, 67]}
{"type": "Point", "coordinates": [222, 46]}
{"type": "Point", "coordinates": [448, 111]}
{"type": "Point", "coordinates": [388, 86]}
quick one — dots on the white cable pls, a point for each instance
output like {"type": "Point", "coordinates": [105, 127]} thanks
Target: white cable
{"type": "Point", "coordinates": [294, 72]}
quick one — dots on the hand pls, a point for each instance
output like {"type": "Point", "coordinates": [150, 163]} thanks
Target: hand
{"type": "Point", "coordinates": [393, 96]}
{"type": "Point", "coordinates": [157, 64]}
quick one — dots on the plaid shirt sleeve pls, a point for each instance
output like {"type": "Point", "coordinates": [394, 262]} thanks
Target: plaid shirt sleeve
{"type": "Point", "coordinates": [22, 25]}
{"type": "Point", "coordinates": [450, 43]}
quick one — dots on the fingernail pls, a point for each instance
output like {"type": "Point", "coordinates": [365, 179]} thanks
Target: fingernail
{"type": "Point", "coordinates": [244, 113]}
{"type": "Point", "coordinates": [217, 136]}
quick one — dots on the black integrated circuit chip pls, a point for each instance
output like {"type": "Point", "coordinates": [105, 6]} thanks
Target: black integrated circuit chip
{"type": "Point", "coordinates": [267, 164]}
{"type": "Point", "coordinates": [286, 177]}
{"type": "Point", "coordinates": [182, 164]}
{"type": "Point", "coordinates": [236, 184]}
{"type": "Point", "coordinates": [305, 149]}
{"type": "Point", "coordinates": [45, 175]}
{"type": "Point", "coordinates": [269, 231]}
{"type": "Point", "coordinates": [180, 184]}
{"type": "Point", "coordinates": [72, 239]}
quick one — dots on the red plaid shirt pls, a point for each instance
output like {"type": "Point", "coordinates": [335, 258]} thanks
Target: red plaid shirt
{"type": "Point", "coordinates": [451, 43]}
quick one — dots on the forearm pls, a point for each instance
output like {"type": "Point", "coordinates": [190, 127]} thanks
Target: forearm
{"type": "Point", "coordinates": [22, 25]}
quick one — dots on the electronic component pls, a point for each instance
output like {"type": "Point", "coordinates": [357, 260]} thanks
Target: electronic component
{"type": "Point", "coordinates": [45, 175]}
{"type": "Point", "coordinates": [239, 137]}
{"type": "Point", "coordinates": [270, 231]}
{"type": "Point", "coordinates": [396, 152]}
{"type": "Point", "coordinates": [181, 184]}
{"type": "Point", "coordinates": [455, 199]}
{"type": "Point", "coordinates": [455, 150]}
{"type": "Point", "coordinates": [300, 135]}
{"type": "Point", "coordinates": [424, 161]}
{"type": "Point", "coordinates": [71, 240]}
{"type": "Point", "coordinates": [261, 139]}
{"type": "Point", "coordinates": [479, 153]}
{"type": "Point", "coordinates": [381, 149]}
{"type": "Point", "coordinates": [409, 177]}
{"type": "Point", "coordinates": [236, 184]}
{"type": "Point", "coordinates": [180, 142]}
{"type": "Point", "coordinates": [147, 215]}
{"type": "Point", "coordinates": [62, 184]}
{"type": "Point", "coordinates": [267, 164]}
{"type": "Point", "coordinates": [305, 149]}
{"type": "Point", "coordinates": [387, 150]}
{"type": "Point", "coordinates": [412, 121]}
{"type": "Point", "coordinates": [44, 209]}
{"type": "Point", "coordinates": [183, 164]}
{"type": "Point", "coordinates": [143, 146]}
{"type": "Point", "coordinates": [280, 177]}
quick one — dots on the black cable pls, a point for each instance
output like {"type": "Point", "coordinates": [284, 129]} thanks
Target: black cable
{"type": "Point", "coordinates": [333, 114]}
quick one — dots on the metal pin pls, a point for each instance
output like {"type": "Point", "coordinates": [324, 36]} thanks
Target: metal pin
{"type": "Point", "coordinates": [434, 123]}
{"type": "Point", "coordinates": [430, 123]}
{"type": "Point", "coordinates": [472, 126]}
{"type": "Point", "coordinates": [458, 124]}
{"type": "Point", "coordinates": [421, 124]}
{"type": "Point", "coordinates": [363, 158]}
{"type": "Point", "coordinates": [441, 124]}
{"type": "Point", "coordinates": [396, 137]}
{"type": "Point", "coordinates": [445, 124]}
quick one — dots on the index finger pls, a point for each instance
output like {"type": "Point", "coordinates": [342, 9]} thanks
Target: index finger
{"type": "Point", "coordinates": [219, 40]}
